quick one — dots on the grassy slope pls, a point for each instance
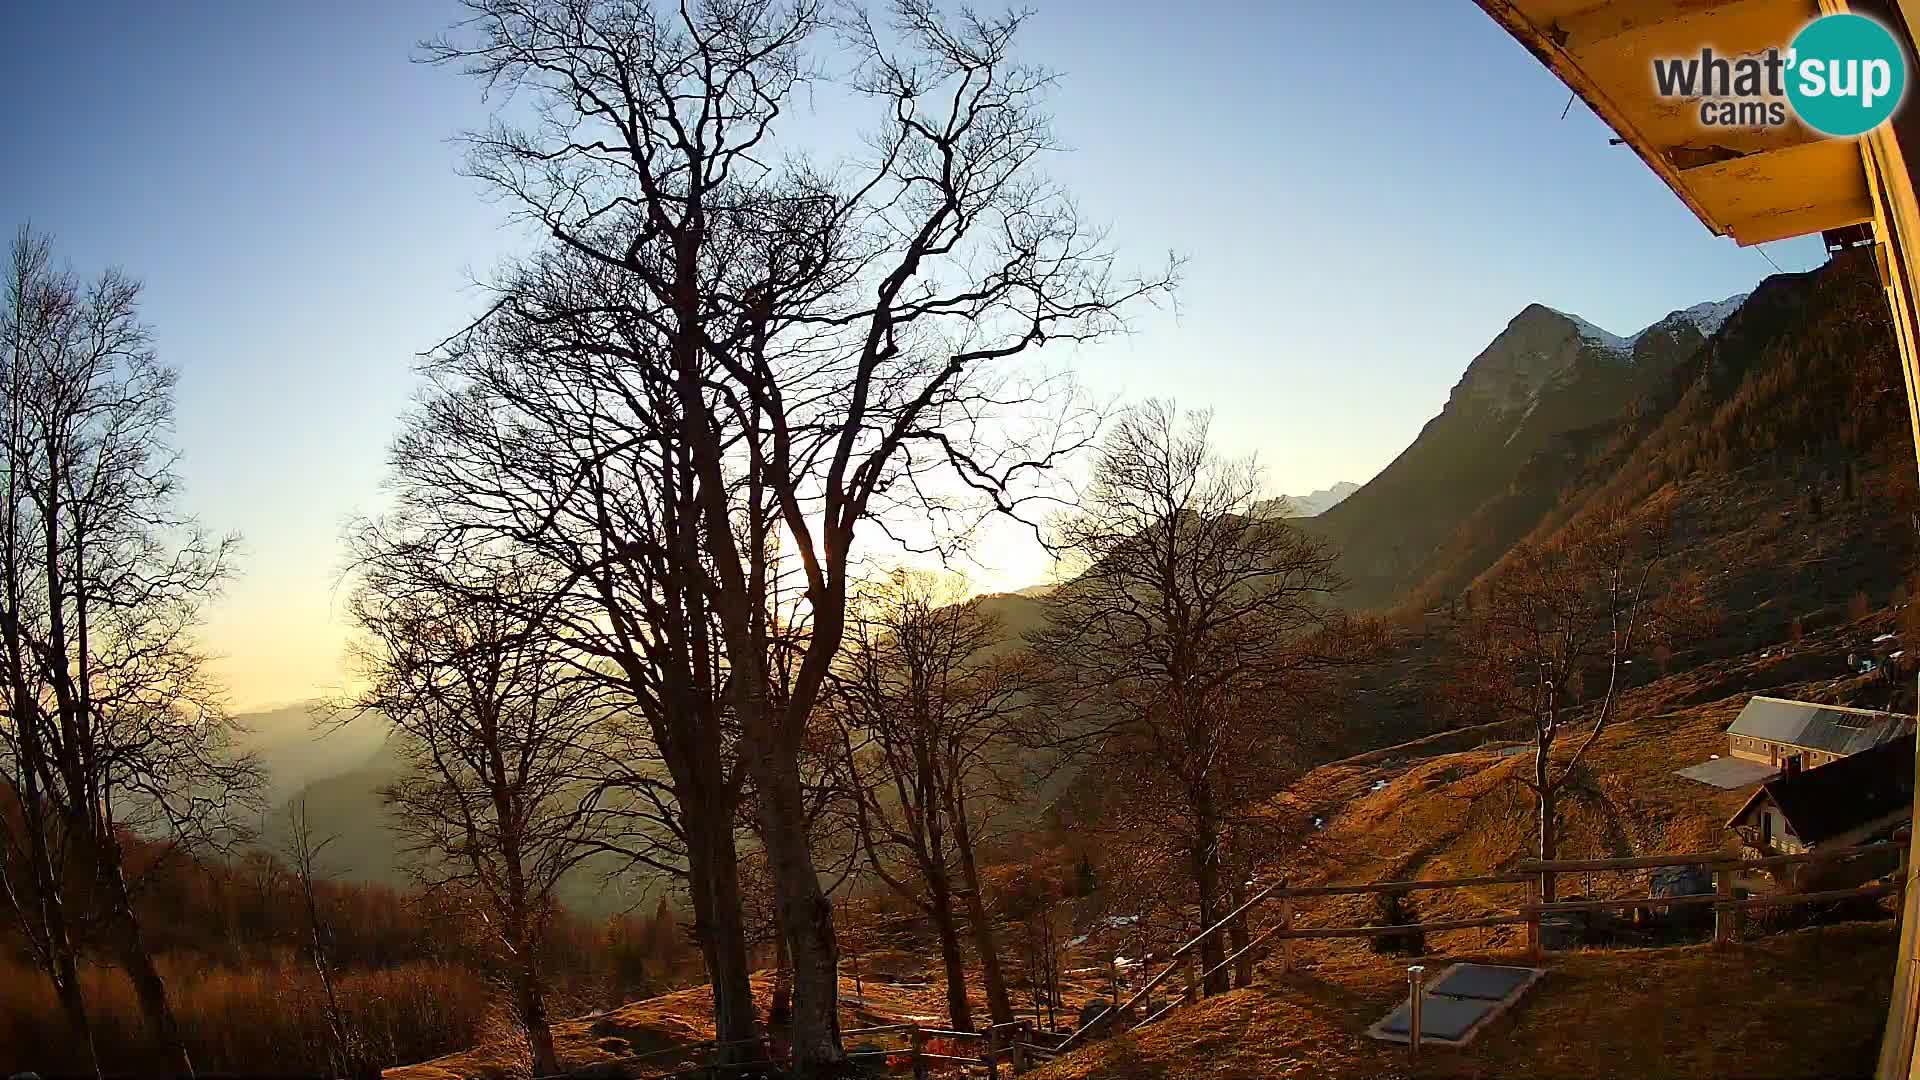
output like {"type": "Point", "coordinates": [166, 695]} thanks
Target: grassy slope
{"type": "Point", "coordinates": [1468, 813]}
{"type": "Point", "coordinates": [1442, 815]}
{"type": "Point", "coordinates": [1773, 1007]}
{"type": "Point", "coordinates": [1692, 1010]}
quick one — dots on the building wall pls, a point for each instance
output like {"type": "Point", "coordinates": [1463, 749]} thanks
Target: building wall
{"type": "Point", "coordinates": [1748, 749]}
{"type": "Point", "coordinates": [1751, 749]}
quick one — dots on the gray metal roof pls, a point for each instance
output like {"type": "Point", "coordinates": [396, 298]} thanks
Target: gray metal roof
{"type": "Point", "coordinates": [1728, 773]}
{"type": "Point", "coordinates": [1804, 724]}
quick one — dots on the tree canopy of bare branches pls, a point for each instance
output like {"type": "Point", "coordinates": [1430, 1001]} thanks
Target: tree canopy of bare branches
{"type": "Point", "coordinates": [937, 721]}
{"type": "Point", "coordinates": [1552, 633]}
{"type": "Point", "coordinates": [1195, 628]}
{"type": "Point", "coordinates": [830, 338]}
{"type": "Point", "coordinates": [111, 721]}
{"type": "Point", "coordinates": [498, 733]}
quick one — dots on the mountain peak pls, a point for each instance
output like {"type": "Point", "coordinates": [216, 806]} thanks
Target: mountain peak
{"type": "Point", "coordinates": [1542, 346]}
{"type": "Point", "coordinates": [1706, 317]}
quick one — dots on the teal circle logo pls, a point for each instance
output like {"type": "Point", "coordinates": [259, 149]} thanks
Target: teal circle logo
{"type": "Point", "coordinates": [1847, 75]}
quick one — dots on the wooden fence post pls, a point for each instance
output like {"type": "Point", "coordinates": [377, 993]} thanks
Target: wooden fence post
{"type": "Point", "coordinates": [1536, 951]}
{"type": "Point", "coordinates": [1723, 915]}
{"type": "Point", "coordinates": [919, 1053]}
{"type": "Point", "coordinates": [1017, 1049]}
{"type": "Point", "coordinates": [1286, 928]}
{"type": "Point", "coordinates": [1416, 989]}
{"type": "Point", "coordinates": [992, 1056]}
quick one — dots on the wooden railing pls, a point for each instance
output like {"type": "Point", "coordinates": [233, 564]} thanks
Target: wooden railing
{"type": "Point", "coordinates": [1537, 877]}
{"type": "Point", "coordinates": [1011, 1046]}
{"type": "Point", "coordinates": [1016, 1046]}
{"type": "Point", "coordinates": [1727, 909]}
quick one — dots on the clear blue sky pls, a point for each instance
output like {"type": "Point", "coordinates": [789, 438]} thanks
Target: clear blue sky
{"type": "Point", "coordinates": [1365, 194]}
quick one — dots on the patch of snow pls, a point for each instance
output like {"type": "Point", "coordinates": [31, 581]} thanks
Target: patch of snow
{"type": "Point", "coordinates": [1074, 943]}
{"type": "Point", "coordinates": [1379, 785]}
{"type": "Point", "coordinates": [1884, 637]}
{"type": "Point", "coordinates": [1709, 317]}
{"type": "Point", "coordinates": [1122, 920]}
{"type": "Point", "coordinates": [1517, 424]}
{"type": "Point", "coordinates": [1706, 317]}
{"type": "Point", "coordinates": [1897, 654]}
{"type": "Point", "coordinates": [1595, 336]}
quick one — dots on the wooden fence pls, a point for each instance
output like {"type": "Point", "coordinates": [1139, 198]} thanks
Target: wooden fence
{"type": "Point", "coordinates": [1012, 1047]}
{"type": "Point", "coordinates": [1537, 877]}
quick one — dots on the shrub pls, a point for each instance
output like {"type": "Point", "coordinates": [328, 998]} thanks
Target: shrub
{"type": "Point", "coordinates": [1398, 909]}
{"type": "Point", "coordinates": [264, 1019]}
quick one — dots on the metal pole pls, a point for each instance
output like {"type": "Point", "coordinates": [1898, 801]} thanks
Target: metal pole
{"type": "Point", "coordinates": [1416, 987]}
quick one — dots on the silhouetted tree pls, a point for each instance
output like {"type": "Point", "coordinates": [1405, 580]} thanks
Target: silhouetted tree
{"type": "Point", "coordinates": [828, 335]}
{"type": "Point", "coordinates": [1561, 619]}
{"type": "Point", "coordinates": [497, 732]}
{"type": "Point", "coordinates": [304, 850]}
{"type": "Point", "coordinates": [112, 722]}
{"type": "Point", "coordinates": [1398, 909]}
{"type": "Point", "coordinates": [935, 728]}
{"type": "Point", "coordinates": [1194, 624]}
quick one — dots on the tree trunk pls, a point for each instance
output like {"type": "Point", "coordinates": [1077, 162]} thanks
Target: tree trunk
{"type": "Point", "coordinates": [959, 1009]}
{"type": "Point", "coordinates": [780, 1010]}
{"type": "Point", "coordinates": [1237, 935]}
{"type": "Point", "coordinates": [1544, 811]}
{"type": "Point", "coordinates": [1206, 880]}
{"type": "Point", "coordinates": [806, 917]}
{"type": "Point", "coordinates": [66, 986]}
{"type": "Point", "coordinates": [719, 926]}
{"type": "Point", "coordinates": [531, 999]}
{"type": "Point", "coordinates": [148, 986]}
{"type": "Point", "coordinates": [999, 1003]}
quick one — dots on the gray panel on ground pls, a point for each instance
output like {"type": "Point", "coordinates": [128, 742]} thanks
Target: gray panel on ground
{"type": "Point", "coordinates": [1452, 1010]}
{"type": "Point", "coordinates": [1728, 773]}
{"type": "Point", "coordinates": [1440, 1017]}
{"type": "Point", "coordinates": [1483, 981]}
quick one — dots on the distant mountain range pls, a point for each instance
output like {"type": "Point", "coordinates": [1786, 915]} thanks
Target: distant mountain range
{"type": "Point", "coordinates": [1309, 505]}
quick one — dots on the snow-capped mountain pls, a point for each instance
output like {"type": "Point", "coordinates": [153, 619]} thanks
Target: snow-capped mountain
{"type": "Point", "coordinates": [1542, 381]}
{"type": "Point", "coordinates": [1311, 504]}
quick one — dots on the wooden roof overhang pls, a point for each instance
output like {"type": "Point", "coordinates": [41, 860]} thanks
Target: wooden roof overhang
{"type": "Point", "coordinates": [1755, 184]}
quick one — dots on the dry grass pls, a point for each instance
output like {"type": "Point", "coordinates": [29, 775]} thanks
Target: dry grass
{"type": "Point", "coordinates": [1412, 813]}
{"type": "Point", "coordinates": [1804, 1004]}
{"type": "Point", "coordinates": [1440, 815]}
{"type": "Point", "coordinates": [259, 1020]}
{"type": "Point", "coordinates": [680, 1019]}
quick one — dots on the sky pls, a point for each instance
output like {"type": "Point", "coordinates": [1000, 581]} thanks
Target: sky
{"type": "Point", "coordinates": [1364, 195]}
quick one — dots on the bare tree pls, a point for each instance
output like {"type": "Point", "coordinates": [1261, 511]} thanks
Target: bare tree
{"type": "Point", "coordinates": [830, 335]}
{"type": "Point", "coordinates": [304, 851]}
{"type": "Point", "coordinates": [1045, 933]}
{"type": "Point", "coordinates": [934, 720]}
{"type": "Point", "coordinates": [1551, 635]}
{"type": "Point", "coordinates": [1199, 626]}
{"type": "Point", "coordinates": [112, 724]}
{"type": "Point", "coordinates": [496, 731]}
{"type": "Point", "coordinates": [546, 429]}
